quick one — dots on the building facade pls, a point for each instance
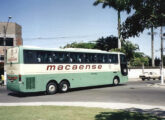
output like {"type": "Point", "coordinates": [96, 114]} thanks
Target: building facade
{"type": "Point", "coordinates": [13, 37]}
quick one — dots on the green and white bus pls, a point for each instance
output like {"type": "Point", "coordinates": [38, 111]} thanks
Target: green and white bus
{"type": "Point", "coordinates": [32, 69]}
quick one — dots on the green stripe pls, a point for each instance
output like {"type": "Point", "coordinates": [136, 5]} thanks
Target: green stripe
{"type": "Point", "coordinates": [75, 79]}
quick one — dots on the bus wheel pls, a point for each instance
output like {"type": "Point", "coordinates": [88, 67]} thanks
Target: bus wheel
{"type": "Point", "coordinates": [143, 79]}
{"type": "Point", "coordinates": [51, 88]}
{"type": "Point", "coordinates": [115, 81]}
{"type": "Point", "coordinates": [64, 86]}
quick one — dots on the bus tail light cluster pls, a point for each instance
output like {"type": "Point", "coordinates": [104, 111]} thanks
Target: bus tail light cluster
{"type": "Point", "coordinates": [20, 78]}
{"type": "Point", "coordinates": [12, 78]}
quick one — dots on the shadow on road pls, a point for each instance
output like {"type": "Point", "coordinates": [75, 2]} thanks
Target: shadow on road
{"type": "Point", "coordinates": [15, 94]}
{"type": "Point", "coordinates": [93, 87]}
{"type": "Point", "coordinates": [132, 114]}
{"type": "Point", "coordinates": [155, 111]}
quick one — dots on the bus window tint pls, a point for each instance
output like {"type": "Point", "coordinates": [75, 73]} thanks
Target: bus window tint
{"type": "Point", "coordinates": [66, 57]}
{"type": "Point", "coordinates": [73, 58]}
{"type": "Point", "coordinates": [44, 57]}
{"type": "Point", "coordinates": [80, 58]}
{"type": "Point", "coordinates": [29, 56]}
{"type": "Point", "coordinates": [93, 58]}
{"type": "Point", "coordinates": [123, 59]}
{"type": "Point", "coordinates": [113, 58]}
{"type": "Point", "coordinates": [55, 57]}
{"type": "Point", "coordinates": [105, 58]}
{"type": "Point", "coordinates": [102, 58]}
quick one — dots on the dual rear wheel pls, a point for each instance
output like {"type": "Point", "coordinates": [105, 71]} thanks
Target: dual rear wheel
{"type": "Point", "coordinates": [53, 87]}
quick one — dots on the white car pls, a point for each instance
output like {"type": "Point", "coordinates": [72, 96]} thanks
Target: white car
{"type": "Point", "coordinates": [149, 75]}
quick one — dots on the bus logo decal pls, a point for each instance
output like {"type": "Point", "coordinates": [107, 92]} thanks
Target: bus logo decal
{"type": "Point", "coordinates": [74, 67]}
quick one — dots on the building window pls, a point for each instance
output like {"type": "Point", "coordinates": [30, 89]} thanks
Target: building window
{"type": "Point", "coordinates": [9, 41]}
{"type": "Point", "coordinates": [1, 57]}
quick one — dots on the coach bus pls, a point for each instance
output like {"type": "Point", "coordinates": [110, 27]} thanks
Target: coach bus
{"type": "Point", "coordinates": [32, 69]}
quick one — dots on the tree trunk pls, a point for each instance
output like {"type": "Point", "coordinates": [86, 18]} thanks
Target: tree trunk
{"type": "Point", "coordinates": [152, 46]}
{"type": "Point", "coordinates": [161, 54]}
{"type": "Point", "coordinates": [119, 29]}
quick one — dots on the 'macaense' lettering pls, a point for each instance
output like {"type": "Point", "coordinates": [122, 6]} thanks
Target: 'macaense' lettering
{"type": "Point", "coordinates": [73, 67]}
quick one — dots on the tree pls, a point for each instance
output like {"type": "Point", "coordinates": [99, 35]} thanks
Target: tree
{"type": "Point", "coordinates": [80, 45]}
{"type": "Point", "coordinates": [110, 44]}
{"type": "Point", "coordinates": [139, 59]}
{"type": "Point", "coordinates": [118, 5]}
{"type": "Point", "coordinates": [128, 48]}
{"type": "Point", "coordinates": [148, 13]}
{"type": "Point", "coordinates": [152, 45]}
{"type": "Point", "coordinates": [107, 43]}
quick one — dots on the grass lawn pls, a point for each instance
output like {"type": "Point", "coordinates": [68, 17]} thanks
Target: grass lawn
{"type": "Point", "coordinates": [68, 113]}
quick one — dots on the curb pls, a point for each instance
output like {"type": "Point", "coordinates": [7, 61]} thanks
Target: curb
{"type": "Point", "coordinates": [87, 104]}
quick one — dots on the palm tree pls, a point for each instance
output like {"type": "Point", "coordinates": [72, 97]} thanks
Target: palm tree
{"type": "Point", "coordinates": [152, 33]}
{"type": "Point", "coordinates": [119, 5]}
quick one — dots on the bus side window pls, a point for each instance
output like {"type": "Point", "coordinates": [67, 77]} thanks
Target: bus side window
{"type": "Point", "coordinates": [29, 56]}
{"type": "Point", "coordinates": [92, 58]}
{"type": "Point", "coordinates": [60, 58]}
{"type": "Point", "coordinates": [114, 58]}
{"type": "Point", "coordinates": [66, 57]}
{"type": "Point", "coordinates": [95, 58]}
{"type": "Point", "coordinates": [49, 57]}
{"type": "Point", "coordinates": [105, 58]}
{"type": "Point", "coordinates": [87, 58]}
{"type": "Point", "coordinates": [72, 58]}
{"type": "Point", "coordinates": [40, 57]}
{"type": "Point", "coordinates": [100, 58]}
{"type": "Point", "coordinates": [55, 57]}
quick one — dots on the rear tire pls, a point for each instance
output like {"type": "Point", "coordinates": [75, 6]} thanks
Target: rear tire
{"type": "Point", "coordinates": [64, 86]}
{"type": "Point", "coordinates": [115, 81]}
{"type": "Point", "coordinates": [51, 88]}
{"type": "Point", "coordinates": [143, 79]}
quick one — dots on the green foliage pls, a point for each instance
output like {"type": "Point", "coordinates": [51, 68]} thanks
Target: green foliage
{"type": "Point", "coordinates": [81, 45]}
{"type": "Point", "coordinates": [107, 43]}
{"type": "Point", "coordinates": [148, 13]}
{"type": "Point", "coordinates": [139, 61]}
{"type": "Point", "coordinates": [119, 5]}
{"type": "Point", "coordinates": [110, 44]}
{"type": "Point", "coordinates": [135, 58]}
{"type": "Point", "coordinates": [128, 48]}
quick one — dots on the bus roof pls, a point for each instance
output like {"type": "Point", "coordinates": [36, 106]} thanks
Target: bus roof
{"type": "Point", "coordinates": [68, 49]}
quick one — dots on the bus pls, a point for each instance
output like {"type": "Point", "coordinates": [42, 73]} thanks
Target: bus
{"type": "Point", "coordinates": [34, 69]}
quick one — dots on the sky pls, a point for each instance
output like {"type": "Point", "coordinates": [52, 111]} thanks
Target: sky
{"type": "Point", "coordinates": [54, 23]}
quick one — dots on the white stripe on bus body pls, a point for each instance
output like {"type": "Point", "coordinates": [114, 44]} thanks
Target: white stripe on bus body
{"type": "Point", "coordinates": [27, 69]}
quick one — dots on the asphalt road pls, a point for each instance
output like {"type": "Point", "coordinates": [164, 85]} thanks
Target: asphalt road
{"type": "Point", "coordinates": [137, 92]}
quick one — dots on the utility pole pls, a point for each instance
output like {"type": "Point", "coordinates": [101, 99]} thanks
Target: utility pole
{"type": "Point", "coordinates": [161, 71]}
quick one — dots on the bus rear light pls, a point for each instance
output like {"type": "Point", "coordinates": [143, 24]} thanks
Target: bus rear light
{"type": "Point", "coordinates": [20, 78]}
{"type": "Point", "coordinates": [12, 78]}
